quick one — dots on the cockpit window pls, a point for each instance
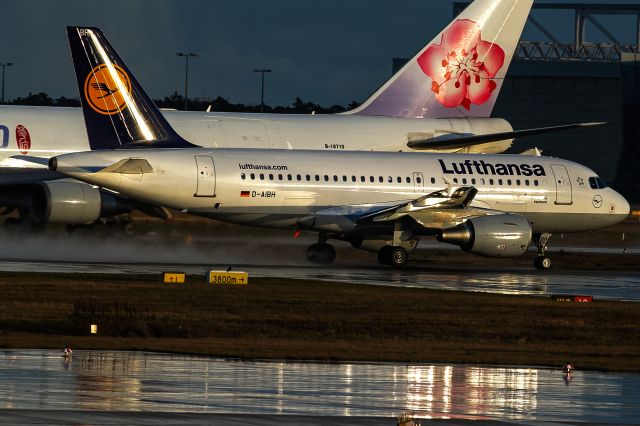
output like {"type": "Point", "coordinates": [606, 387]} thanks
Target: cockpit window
{"type": "Point", "coordinates": [597, 183]}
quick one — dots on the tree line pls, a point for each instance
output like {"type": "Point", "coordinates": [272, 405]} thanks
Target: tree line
{"type": "Point", "coordinates": [176, 101]}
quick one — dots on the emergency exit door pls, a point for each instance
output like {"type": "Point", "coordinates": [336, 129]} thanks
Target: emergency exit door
{"type": "Point", "coordinates": [563, 184]}
{"type": "Point", "coordinates": [206, 180]}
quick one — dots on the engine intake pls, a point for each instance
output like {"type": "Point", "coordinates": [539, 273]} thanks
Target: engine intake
{"type": "Point", "coordinates": [74, 203]}
{"type": "Point", "coordinates": [501, 235]}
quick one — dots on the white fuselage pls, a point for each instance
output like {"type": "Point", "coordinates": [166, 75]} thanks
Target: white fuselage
{"type": "Point", "coordinates": [328, 191]}
{"type": "Point", "coordinates": [54, 131]}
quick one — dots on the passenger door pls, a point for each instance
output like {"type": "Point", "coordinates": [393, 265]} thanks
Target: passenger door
{"type": "Point", "coordinates": [563, 184]}
{"type": "Point", "coordinates": [206, 179]}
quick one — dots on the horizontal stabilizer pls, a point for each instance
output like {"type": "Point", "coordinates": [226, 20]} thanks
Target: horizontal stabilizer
{"type": "Point", "coordinates": [26, 175]}
{"type": "Point", "coordinates": [457, 140]}
{"type": "Point", "coordinates": [32, 159]}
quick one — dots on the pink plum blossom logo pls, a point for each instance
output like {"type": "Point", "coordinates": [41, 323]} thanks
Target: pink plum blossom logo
{"type": "Point", "coordinates": [462, 66]}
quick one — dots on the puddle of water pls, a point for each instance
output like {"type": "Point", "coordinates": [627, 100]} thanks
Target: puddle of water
{"type": "Point", "coordinates": [132, 381]}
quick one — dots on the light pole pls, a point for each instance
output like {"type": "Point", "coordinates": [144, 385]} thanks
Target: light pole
{"type": "Point", "coordinates": [186, 75]}
{"type": "Point", "coordinates": [262, 71]}
{"type": "Point", "coordinates": [4, 65]}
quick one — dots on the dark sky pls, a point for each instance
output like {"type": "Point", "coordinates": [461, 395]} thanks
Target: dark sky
{"type": "Point", "coordinates": [329, 52]}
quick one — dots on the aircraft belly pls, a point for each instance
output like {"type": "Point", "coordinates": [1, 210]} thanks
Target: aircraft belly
{"type": "Point", "coordinates": [268, 220]}
{"type": "Point", "coordinates": [302, 217]}
{"type": "Point", "coordinates": [570, 222]}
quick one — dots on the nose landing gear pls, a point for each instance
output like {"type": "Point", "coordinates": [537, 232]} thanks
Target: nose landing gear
{"type": "Point", "coordinates": [542, 261]}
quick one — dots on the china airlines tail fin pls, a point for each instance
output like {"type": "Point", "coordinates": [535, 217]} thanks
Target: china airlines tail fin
{"type": "Point", "coordinates": [460, 72]}
{"type": "Point", "coordinates": [117, 111]}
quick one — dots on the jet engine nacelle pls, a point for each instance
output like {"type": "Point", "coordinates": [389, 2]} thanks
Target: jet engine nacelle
{"type": "Point", "coordinates": [74, 203]}
{"type": "Point", "coordinates": [501, 235]}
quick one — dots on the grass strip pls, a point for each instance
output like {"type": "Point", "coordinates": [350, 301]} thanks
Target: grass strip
{"type": "Point", "coordinates": [314, 320]}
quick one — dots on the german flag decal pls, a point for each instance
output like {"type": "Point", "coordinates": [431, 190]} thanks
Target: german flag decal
{"type": "Point", "coordinates": [244, 193]}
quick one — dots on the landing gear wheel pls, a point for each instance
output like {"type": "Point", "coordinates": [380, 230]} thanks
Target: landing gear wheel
{"type": "Point", "coordinates": [321, 253]}
{"type": "Point", "coordinates": [399, 257]}
{"type": "Point", "coordinates": [542, 262]}
{"type": "Point", "coordinates": [394, 256]}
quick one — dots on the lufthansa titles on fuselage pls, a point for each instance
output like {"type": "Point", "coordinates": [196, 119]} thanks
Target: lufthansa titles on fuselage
{"type": "Point", "coordinates": [481, 167]}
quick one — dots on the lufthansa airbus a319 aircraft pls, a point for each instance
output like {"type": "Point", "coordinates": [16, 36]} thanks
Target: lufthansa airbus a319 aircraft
{"type": "Point", "coordinates": [440, 101]}
{"type": "Point", "coordinates": [492, 205]}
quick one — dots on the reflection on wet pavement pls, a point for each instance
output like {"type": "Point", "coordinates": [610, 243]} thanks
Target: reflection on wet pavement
{"type": "Point", "coordinates": [132, 381]}
{"type": "Point", "coordinates": [601, 285]}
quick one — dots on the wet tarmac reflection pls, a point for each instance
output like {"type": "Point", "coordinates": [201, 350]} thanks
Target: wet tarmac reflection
{"type": "Point", "coordinates": [612, 285]}
{"type": "Point", "coordinates": [135, 381]}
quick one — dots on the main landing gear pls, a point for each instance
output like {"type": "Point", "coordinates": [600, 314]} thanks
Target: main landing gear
{"type": "Point", "coordinates": [395, 256]}
{"type": "Point", "coordinates": [120, 224]}
{"type": "Point", "coordinates": [321, 253]}
{"type": "Point", "coordinates": [542, 261]}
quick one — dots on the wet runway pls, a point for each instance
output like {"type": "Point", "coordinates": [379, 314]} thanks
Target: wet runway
{"type": "Point", "coordinates": [37, 386]}
{"type": "Point", "coordinates": [197, 250]}
{"type": "Point", "coordinates": [35, 381]}
{"type": "Point", "coordinates": [601, 285]}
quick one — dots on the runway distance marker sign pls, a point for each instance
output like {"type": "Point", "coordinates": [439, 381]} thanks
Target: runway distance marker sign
{"type": "Point", "coordinates": [228, 277]}
{"type": "Point", "coordinates": [174, 277]}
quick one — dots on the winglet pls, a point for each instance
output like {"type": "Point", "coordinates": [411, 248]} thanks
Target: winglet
{"type": "Point", "coordinates": [116, 109]}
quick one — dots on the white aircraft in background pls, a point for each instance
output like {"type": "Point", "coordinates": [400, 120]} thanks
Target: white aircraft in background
{"type": "Point", "coordinates": [490, 205]}
{"type": "Point", "coordinates": [440, 101]}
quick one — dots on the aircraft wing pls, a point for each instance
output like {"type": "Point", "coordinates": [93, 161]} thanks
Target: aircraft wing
{"type": "Point", "coordinates": [446, 199]}
{"type": "Point", "coordinates": [463, 140]}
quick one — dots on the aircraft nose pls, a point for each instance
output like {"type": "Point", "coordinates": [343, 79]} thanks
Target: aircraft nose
{"type": "Point", "coordinates": [619, 206]}
{"type": "Point", "coordinates": [625, 208]}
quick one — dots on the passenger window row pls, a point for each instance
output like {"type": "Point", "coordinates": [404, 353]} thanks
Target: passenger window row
{"type": "Point", "coordinates": [382, 179]}
{"type": "Point", "coordinates": [499, 182]}
{"type": "Point", "coordinates": [334, 178]}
